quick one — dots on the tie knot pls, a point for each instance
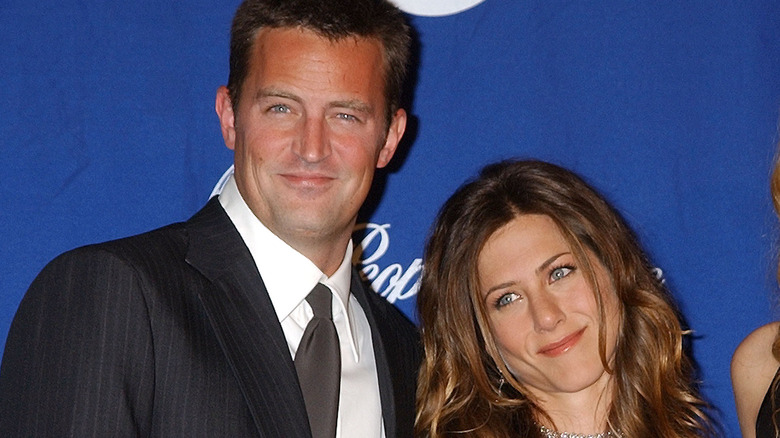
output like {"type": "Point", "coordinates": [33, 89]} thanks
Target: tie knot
{"type": "Point", "coordinates": [320, 299]}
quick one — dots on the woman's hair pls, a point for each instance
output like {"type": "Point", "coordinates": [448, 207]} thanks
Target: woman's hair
{"type": "Point", "coordinates": [774, 185]}
{"type": "Point", "coordinates": [461, 391]}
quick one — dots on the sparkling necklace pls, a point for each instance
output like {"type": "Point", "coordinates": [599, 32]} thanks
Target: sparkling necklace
{"type": "Point", "coordinates": [547, 433]}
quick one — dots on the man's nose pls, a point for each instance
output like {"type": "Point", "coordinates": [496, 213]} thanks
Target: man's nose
{"type": "Point", "coordinates": [313, 144]}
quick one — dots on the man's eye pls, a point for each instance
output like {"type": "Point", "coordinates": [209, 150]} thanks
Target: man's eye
{"type": "Point", "coordinates": [347, 117]}
{"type": "Point", "coordinates": [279, 109]}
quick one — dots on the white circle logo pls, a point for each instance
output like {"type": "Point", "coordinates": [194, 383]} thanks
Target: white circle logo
{"type": "Point", "coordinates": [435, 8]}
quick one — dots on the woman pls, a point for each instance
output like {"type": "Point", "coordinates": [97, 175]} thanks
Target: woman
{"type": "Point", "coordinates": [754, 368]}
{"type": "Point", "coordinates": [541, 317]}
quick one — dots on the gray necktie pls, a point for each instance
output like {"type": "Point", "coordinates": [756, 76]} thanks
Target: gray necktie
{"type": "Point", "coordinates": [318, 363]}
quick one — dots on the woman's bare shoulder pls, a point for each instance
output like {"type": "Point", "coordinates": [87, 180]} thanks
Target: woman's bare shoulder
{"type": "Point", "coordinates": [753, 368]}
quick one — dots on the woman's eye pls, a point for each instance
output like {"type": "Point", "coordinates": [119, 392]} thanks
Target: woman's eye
{"type": "Point", "coordinates": [505, 299]}
{"type": "Point", "coordinates": [561, 272]}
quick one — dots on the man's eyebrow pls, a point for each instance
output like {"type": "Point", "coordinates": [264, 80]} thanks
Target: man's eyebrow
{"type": "Point", "coordinates": [353, 104]}
{"type": "Point", "coordinates": [274, 92]}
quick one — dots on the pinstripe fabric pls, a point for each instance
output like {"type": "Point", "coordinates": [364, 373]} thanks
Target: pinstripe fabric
{"type": "Point", "coordinates": [171, 333]}
{"type": "Point", "coordinates": [398, 357]}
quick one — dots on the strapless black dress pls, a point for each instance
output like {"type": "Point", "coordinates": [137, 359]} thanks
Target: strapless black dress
{"type": "Point", "coordinates": [765, 428]}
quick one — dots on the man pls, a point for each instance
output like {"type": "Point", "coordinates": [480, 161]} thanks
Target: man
{"type": "Point", "coordinates": [196, 329]}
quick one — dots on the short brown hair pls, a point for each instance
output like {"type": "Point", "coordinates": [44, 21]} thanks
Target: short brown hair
{"type": "Point", "coordinates": [378, 19]}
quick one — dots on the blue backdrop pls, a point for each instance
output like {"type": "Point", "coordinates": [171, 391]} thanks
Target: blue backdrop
{"type": "Point", "coordinates": [669, 108]}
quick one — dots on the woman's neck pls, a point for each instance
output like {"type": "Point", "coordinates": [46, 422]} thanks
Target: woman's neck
{"type": "Point", "coordinates": [583, 412]}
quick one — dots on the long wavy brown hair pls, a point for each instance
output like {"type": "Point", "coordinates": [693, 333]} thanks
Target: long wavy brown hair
{"type": "Point", "coordinates": [461, 391]}
{"type": "Point", "coordinates": [774, 185]}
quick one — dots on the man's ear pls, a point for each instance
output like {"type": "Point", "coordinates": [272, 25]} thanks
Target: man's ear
{"type": "Point", "coordinates": [394, 134]}
{"type": "Point", "coordinates": [227, 119]}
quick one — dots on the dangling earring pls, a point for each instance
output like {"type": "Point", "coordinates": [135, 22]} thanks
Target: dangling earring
{"type": "Point", "coordinates": [501, 382]}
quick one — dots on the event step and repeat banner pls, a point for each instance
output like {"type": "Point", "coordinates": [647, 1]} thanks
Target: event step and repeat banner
{"type": "Point", "coordinates": [670, 109]}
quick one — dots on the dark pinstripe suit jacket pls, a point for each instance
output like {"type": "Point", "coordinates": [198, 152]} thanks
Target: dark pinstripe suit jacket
{"type": "Point", "coordinates": [171, 333]}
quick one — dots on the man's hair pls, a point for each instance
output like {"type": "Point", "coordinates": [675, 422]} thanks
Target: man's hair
{"type": "Point", "coordinates": [335, 20]}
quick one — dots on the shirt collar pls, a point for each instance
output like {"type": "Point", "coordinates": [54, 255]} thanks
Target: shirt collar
{"type": "Point", "coordinates": [287, 274]}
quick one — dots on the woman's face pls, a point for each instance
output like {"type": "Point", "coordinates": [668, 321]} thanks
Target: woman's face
{"type": "Point", "coordinates": [542, 311]}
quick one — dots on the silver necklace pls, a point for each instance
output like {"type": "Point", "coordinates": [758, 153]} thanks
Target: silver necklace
{"type": "Point", "coordinates": [547, 433]}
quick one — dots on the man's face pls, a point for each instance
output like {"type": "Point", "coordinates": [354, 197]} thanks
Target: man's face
{"type": "Point", "coordinates": [309, 132]}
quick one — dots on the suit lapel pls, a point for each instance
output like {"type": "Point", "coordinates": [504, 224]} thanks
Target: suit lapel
{"type": "Point", "coordinates": [246, 325]}
{"type": "Point", "coordinates": [386, 386]}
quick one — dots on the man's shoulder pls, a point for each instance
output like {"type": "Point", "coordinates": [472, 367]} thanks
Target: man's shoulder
{"type": "Point", "coordinates": [152, 263]}
{"type": "Point", "coordinates": [166, 242]}
{"type": "Point", "coordinates": [95, 270]}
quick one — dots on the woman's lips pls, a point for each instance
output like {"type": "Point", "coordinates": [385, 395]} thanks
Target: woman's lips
{"type": "Point", "coordinates": [558, 348]}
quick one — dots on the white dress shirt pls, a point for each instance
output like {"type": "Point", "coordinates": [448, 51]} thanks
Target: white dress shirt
{"type": "Point", "coordinates": [289, 277]}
